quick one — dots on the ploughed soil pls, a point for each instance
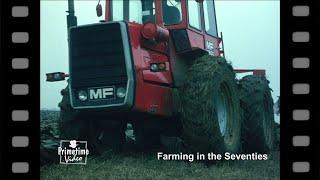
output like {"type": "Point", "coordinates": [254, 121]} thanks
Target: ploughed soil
{"type": "Point", "coordinates": [131, 164]}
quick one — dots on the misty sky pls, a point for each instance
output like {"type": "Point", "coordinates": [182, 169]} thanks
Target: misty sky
{"type": "Point", "coordinates": [251, 33]}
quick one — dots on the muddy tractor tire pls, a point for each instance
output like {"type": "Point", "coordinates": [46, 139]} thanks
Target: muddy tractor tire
{"type": "Point", "coordinates": [77, 125]}
{"type": "Point", "coordinates": [258, 128]}
{"type": "Point", "coordinates": [210, 107]}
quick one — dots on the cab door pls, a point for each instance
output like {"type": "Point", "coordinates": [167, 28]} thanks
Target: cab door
{"type": "Point", "coordinates": [195, 27]}
{"type": "Point", "coordinates": [210, 31]}
{"type": "Point", "coordinates": [202, 27]}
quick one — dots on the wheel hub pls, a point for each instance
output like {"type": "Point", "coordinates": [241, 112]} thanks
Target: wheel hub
{"type": "Point", "coordinates": [222, 110]}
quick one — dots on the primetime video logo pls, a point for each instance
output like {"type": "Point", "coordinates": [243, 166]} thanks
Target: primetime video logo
{"type": "Point", "coordinates": [73, 152]}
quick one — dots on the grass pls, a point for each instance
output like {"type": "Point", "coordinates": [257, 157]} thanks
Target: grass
{"type": "Point", "coordinates": [135, 165]}
{"type": "Point", "coordinates": [146, 166]}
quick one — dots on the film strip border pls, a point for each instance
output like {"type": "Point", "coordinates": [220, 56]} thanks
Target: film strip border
{"type": "Point", "coordinates": [299, 126]}
{"type": "Point", "coordinates": [20, 45]}
{"type": "Point", "coordinates": [20, 60]}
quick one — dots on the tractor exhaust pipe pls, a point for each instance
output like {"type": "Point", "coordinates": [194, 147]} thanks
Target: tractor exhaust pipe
{"type": "Point", "coordinates": [71, 18]}
{"type": "Point", "coordinates": [71, 21]}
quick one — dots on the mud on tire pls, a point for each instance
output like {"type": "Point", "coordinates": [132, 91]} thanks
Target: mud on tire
{"type": "Point", "coordinates": [258, 129]}
{"type": "Point", "coordinates": [70, 123]}
{"type": "Point", "coordinates": [77, 125]}
{"type": "Point", "coordinates": [210, 82]}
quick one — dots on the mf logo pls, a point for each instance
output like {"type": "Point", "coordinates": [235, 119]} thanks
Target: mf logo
{"type": "Point", "coordinates": [101, 93]}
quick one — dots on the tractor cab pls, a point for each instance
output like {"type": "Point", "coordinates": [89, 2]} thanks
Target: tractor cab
{"type": "Point", "coordinates": [191, 23]}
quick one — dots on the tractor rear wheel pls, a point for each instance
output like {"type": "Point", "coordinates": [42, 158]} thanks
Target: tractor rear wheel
{"type": "Point", "coordinates": [258, 129]}
{"type": "Point", "coordinates": [210, 107]}
{"type": "Point", "coordinates": [76, 125]}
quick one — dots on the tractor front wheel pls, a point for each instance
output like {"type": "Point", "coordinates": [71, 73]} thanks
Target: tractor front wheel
{"type": "Point", "coordinates": [210, 107]}
{"type": "Point", "coordinates": [77, 125]}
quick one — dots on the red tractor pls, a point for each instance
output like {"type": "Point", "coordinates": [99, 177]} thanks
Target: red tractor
{"type": "Point", "coordinates": [158, 65]}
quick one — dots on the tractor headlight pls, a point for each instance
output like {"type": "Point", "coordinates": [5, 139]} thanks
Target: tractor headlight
{"type": "Point", "coordinates": [157, 67]}
{"type": "Point", "coordinates": [82, 95]}
{"type": "Point", "coordinates": [154, 67]}
{"type": "Point", "coordinates": [121, 92]}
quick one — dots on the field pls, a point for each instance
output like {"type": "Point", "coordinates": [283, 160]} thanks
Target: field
{"type": "Point", "coordinates": [137, 165]}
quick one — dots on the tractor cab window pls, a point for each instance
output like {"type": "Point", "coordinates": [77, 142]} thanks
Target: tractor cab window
{"type": "Point", "coordinates": [171, 11]}
{"type": "Point", "coordinates": [139, 11]}
{"type": "Point", "coordinates": [117, 10]}
{"type": "Point", "coordinates": [210, 17]}
{"type": "Point", "coordinates": [194, 14]}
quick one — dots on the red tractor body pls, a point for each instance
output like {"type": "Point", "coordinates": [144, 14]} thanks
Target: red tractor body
{"type": "Point", "coordinates": [153, 88]}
